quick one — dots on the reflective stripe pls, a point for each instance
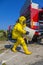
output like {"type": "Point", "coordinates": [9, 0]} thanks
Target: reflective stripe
{"type": "Point", "coordinates": [34, 5]}
{"type": "Point", "coordinates": [35, 23]}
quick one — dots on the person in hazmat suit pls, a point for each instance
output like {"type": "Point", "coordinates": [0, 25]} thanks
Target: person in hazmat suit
{"type": "Point", "coordinates": [17, 33]}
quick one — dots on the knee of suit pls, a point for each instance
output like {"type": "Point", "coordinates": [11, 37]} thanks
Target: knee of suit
{"type": "Point", "coordinates": [22, 41]}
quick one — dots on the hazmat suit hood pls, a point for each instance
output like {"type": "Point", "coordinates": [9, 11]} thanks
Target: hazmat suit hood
{"type": "Point", "coordinates": [22, 20]}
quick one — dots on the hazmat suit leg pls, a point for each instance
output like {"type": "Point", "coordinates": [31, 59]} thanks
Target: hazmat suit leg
{"type": "Point", "coordinates": [22, 42]}
{"type": "Point", "coordinates": [15, 46]}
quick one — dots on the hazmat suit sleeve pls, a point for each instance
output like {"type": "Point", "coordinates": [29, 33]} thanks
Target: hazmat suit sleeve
{"type": "Point", "coordinates": [20, 29]}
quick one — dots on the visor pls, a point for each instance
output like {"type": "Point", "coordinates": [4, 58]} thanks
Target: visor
{"type": "Point", "coordinates": [24, 22]}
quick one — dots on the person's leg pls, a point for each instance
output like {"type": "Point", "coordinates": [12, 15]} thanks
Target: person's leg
{"type": "Point", "coordinates": [15, 46]}
{"type": "Point", "coordinates": [22, 42]}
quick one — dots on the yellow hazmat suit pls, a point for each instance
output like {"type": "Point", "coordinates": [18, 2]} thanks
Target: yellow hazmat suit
{"type": "Point", "coordinates": [17, 33]}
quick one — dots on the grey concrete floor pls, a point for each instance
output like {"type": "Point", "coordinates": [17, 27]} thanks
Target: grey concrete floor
{"type": "Point", "coordinates": [19, 58]}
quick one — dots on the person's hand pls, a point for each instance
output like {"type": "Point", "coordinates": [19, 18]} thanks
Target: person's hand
{"type": "Point", "coordinates": [27, 33]}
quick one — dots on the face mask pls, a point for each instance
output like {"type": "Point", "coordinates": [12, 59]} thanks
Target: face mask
{"type": "Point", "coordinates": [24, 22]}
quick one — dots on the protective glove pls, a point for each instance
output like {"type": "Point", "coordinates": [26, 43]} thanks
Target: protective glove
{"type": "Point", "coordinates": [27, 32]}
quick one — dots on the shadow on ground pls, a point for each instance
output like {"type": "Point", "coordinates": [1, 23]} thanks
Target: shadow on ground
{"type": "Point", "coordinates": [11, 46]}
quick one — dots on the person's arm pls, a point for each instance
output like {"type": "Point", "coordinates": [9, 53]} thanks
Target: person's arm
{"type": "Point", "coordinates": [19, 28]}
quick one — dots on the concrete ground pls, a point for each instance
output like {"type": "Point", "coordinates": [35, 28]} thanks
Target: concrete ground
{"type": "Point", "coordinates": [19, 58]}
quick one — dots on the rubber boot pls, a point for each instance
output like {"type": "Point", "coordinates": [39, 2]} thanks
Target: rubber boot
{"type": "Point", "coordinates": [14, 50]}
{"type": "Point", "coordinates": [26, 51]}
{"type": "Point", "coordinates": [14, 47]}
